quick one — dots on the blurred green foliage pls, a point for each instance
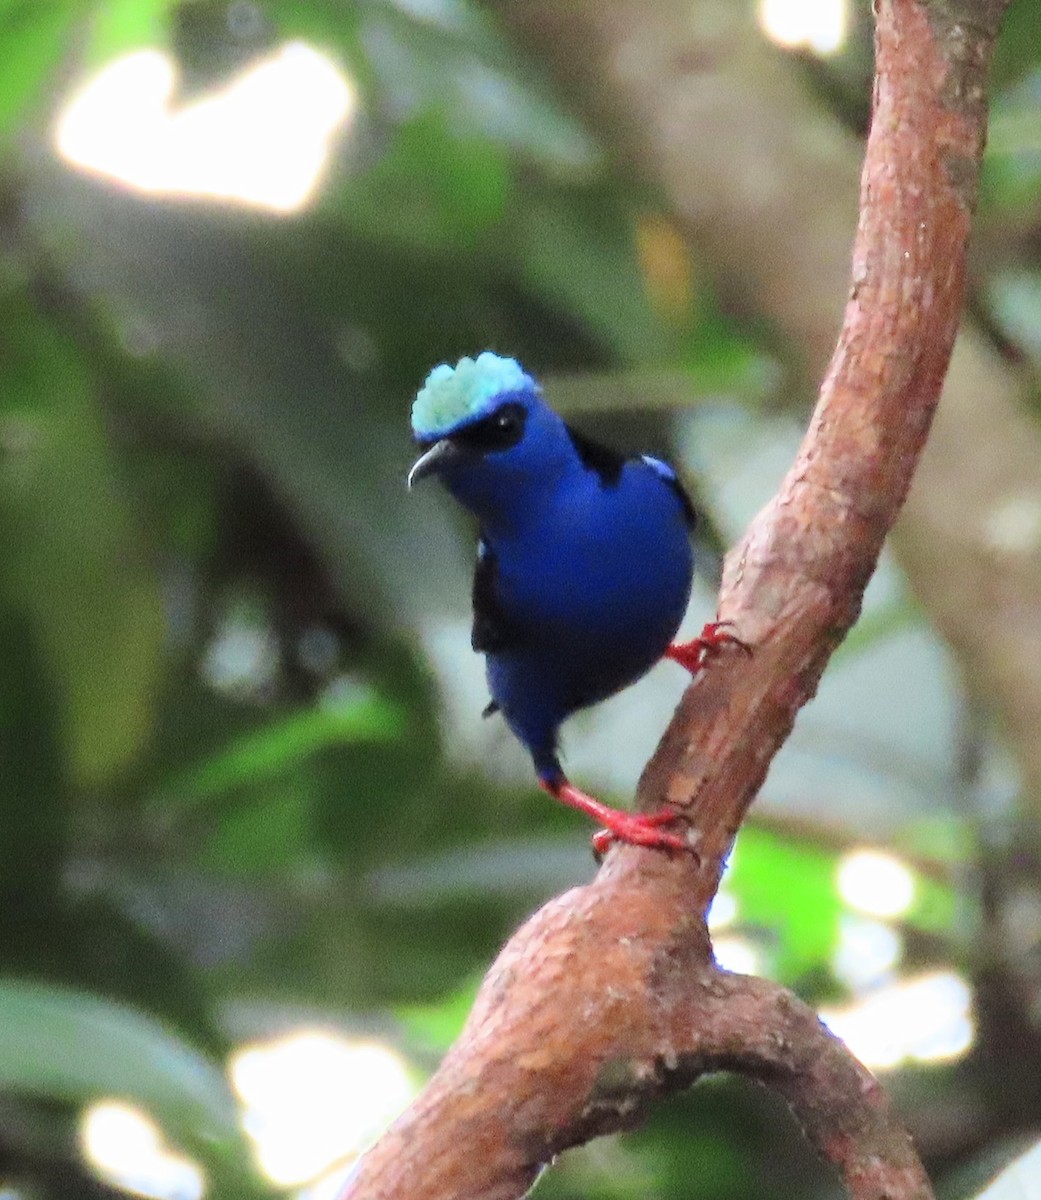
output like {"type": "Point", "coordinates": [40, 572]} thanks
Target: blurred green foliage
{"type": "Point", "coordinates": [230, 770]}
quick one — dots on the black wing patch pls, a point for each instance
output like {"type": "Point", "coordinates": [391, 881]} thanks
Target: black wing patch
{"type": "Point", "coordinates": [668, 476]}
{"type": "Point", "coordinates": [493, 628]}
{"type": "Point", "coordinates": [689, 513]}
{"type": "Point", "coordinates": [607, 463]}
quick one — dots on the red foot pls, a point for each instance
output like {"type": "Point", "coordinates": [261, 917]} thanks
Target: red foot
{"type": "Point", "coordinates": [638, 829]}
{"type": "Point", "coordinates": [695, 655]}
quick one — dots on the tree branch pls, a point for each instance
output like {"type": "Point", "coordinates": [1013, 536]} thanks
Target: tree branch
{"type": "Point", "coordinates": [609, 996]}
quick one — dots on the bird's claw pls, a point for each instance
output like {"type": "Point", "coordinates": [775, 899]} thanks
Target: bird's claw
{"type": "Point", "coordinates": [696, 654]}
{"type": "Point", "coordinates": [639, 829]}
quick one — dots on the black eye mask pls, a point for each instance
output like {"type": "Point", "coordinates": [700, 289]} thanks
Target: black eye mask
{"type": "Point", "coordinates": [498, 431]}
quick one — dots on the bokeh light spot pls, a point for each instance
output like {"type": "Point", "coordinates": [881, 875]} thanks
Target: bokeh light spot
{"type": "Point", "coordinates": [264, 139]}
{"type": "Point", "coordinates": [126, 1148]}
{"type": "Point", "coordinates": [737, 954]}
{"type": "Point", "coordinates": [314, 1098]}
{"type": "Point", "coordinates": [876, 883]}
{"type": "Point", "coordinates": [817, 25]}
{"type": "Point", "coordinates": [924, 1019]}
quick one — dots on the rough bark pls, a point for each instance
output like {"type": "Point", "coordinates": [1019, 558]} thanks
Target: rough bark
{"type": "Point", "coordinates": [609, 996]}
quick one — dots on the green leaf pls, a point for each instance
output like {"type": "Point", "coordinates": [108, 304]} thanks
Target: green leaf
{"type": "Point", "coordinates": [123, 25]}
{"type": "Point", "coordinates": [357, 715]}
{"type": "Point", "coordinates": [651, 390]}
{"type": "Point", "coordinates": [464, 69]}
{"type": "Point", "coordinates": [1015, 52]}
{"type": "Point", "coordinates": [787, 887]}
{"type": "Point", "coordinates": [71, 1046]}
{"type": "Point", "coordinates": [266, 835]}
{"type": "Point", "coordinates": [938, 906]}
{"type": "Point", "coordinates": [725, 360]}
{"type": "Point", "coordinates": [586, 265]}
{"type": "Point", "coordinates": [34, 36]}
{"type": "Point", "coordinates": [69, 550]}
{"type": "Point", "coordinates": [433, 189]}
{"type": "Point", "coordinates": [434, 1027]}
{"type": "Point", "coordinates": [1011, 171]}
{"type": "Point", "coordinates": [1015, 299]}
{"type": "Point", "coordinates": [74, 562]}
{"type": "Point", "coordinates": [31, 771]}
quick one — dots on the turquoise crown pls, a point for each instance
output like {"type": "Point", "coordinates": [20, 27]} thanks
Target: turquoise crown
{"type": "Point", "coordinates": [455, 396]}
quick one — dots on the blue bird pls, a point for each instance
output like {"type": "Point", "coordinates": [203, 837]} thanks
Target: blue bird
{"type": "Point", "coordinates": [584, 563]}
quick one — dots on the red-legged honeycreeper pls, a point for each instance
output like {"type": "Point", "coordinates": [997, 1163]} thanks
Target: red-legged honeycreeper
{"type": "Point", "coordinates": [584, 563]}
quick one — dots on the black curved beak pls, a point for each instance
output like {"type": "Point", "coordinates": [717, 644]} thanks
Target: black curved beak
{"type": "Point", "coordinates": [433, 460]}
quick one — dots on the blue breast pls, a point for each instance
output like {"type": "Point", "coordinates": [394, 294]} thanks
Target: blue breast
{"type": "Point", "coordinates": [595, 586]}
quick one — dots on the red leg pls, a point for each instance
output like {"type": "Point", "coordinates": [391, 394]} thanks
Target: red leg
{"type": "Point", "coordinates": [695, 655]}
{"type": "Point", "coordinates": [638, 829]}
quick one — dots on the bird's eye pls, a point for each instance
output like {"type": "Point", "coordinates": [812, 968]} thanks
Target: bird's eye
{"type": "Point", "coordinates": [498, 431]}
